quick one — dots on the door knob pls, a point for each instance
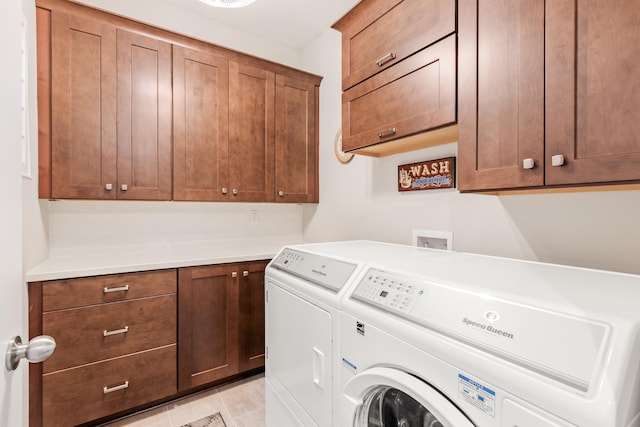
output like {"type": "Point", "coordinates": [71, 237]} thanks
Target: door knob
{"type": "Point", "coordinates": [36, 350]}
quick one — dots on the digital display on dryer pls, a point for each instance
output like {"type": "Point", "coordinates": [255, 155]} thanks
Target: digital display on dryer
{"type": "Point", "coordinates": [384, 294]}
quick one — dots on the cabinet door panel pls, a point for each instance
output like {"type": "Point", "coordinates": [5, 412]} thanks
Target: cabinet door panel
{"type": "Point", "coordinates": [144, 117]}
{"type": "Point", "coordinates": [251, 133]}
{"type": "Point", "coordinates": [251, 316]}
{"type": "Point", "coordinates": [593, 88]}
{"type": "Point", "coordinates": [207, 324]}
{"type": "Point", "coordinates": [401, 29]}
{"type": "Point", "coordinates": [501, 94]}
{"type": "Point", "coordinates": [83, 93]}
{"type": "Point", "coordinates": [296, 141]}
{"type": "Point", "coordinates": [201, 125]}
{"type": "Point", "coordinates": [416, 95]}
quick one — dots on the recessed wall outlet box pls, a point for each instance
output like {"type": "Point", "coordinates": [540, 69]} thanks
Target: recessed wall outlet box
{"type": "Point", "coordinates": [433, 239]}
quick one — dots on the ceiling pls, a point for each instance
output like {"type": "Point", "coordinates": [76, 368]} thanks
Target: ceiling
{"type": "Point", "coordinates": [292, 23]}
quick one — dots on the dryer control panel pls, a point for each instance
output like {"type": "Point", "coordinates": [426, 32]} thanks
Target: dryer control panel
{"type": "Point", "coordinates": [389, 291]}
{"type": "Point", "coordinates": [328, 272]}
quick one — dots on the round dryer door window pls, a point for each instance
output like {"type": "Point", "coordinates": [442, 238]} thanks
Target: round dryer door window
{"type": "Point", "coordinates": [392, 398]}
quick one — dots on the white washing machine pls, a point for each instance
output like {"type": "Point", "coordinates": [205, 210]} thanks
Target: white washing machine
{"type": "Point", "coordinates": [431, 338]}
{"type": "Point", "coordinates": [304, 286]}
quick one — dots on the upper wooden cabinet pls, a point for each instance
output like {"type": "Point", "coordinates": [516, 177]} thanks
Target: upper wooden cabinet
{"type": "Point", "coordinates": [296, 140]}
{"type": "Point", "coordinates": [201, 125]}
{"type": "Point", "coordinates": [128, 111]}
{"type": "Point", "coordinates": [398, 75]}
{"type": "Point", "coordinates": [377, 34]}
{"type": "Point", "coordinates": [548, 94]}
{"type": "Point", "coordinates": [110, 110]}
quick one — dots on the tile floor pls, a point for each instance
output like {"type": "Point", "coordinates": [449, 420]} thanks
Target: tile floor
{"type": "Point", "coordinates": [241, 404]}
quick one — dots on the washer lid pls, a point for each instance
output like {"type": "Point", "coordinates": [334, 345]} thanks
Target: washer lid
{"type": "Point", "coordinates": [413, 399]}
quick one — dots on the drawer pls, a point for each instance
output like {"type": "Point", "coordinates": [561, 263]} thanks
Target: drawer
{"type": "Point", "coordinates": [417, 95]}
{"type": "Point", "coordinates": [380, 33]}
{"type": "Point", "coordinates": [78, 395]}
{"type": "Point", "coordinates": [129, 326]}
{"type": "Point", "coordinates": [60, 294]}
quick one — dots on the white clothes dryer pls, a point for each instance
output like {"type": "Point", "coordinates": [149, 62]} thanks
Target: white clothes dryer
{"type": "Point", "coordinates": [434, 338]}
{"type": "Point", "coordinates": [304, 286]}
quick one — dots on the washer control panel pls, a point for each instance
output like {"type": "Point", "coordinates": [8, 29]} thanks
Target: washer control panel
{"type": "Point", "coordinates": [389, 291]}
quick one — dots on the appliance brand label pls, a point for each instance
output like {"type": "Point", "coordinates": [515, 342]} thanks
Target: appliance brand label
{"type": "Point", "coordinates": [360, 328]}
{"type": "Point", "coordinates": [487, 328]}
{"type": "Point", "coordinates": [477, 394]}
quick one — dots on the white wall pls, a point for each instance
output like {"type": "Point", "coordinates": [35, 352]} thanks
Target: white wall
{"type": "Point", "coordinates": [360, 200]}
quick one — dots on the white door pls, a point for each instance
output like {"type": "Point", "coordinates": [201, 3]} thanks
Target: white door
{"type": "Point", "coordinates": [12, 384]}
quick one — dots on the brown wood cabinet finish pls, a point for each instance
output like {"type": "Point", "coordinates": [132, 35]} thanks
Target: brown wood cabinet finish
{"type": "Point", "coordinates": [540, 81]}
{"type": "Point", "coordinates": [218, 144]}
{"type": "Point", "coordinates": [296, 140]}
{"type": "Point", "coordinates": [417, 94]}
{"type": "Point", "coordinates": [592, 91]}
{"type": "Point", "coordinates": [201, 125]}
{"type": "Point", "coordinates": [144, 117]}
{"type": "Point", "coordinates": [221, 321]}
{"type": "Point", "coordinates": [207, 324]}
{"type": "Point", "coordinates": [379, 33]}
{"type": "Point", "coordinates": [89, 392]}
{"type": "Point", "coordinates": [97, 332]}
{"type": "Point", "coordinates": [77, 313]}
{"type": "Point", "coordinates": [83, 109]}
{"type": "Point", "coordinates": [251, 344]}
{"type": "Point", "coordinates": [70, 293]}
{"type": "Point", "coordinates": [251, 133]}
{"type": "Point", "coordinates": [501, 94]}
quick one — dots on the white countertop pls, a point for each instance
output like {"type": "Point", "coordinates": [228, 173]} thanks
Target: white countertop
{"type": "Point", "coordinates": [119, 260]}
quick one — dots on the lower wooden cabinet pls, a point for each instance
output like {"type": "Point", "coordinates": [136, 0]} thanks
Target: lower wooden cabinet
{"type": "Point", "coordinates": [116, 341]}
{"type": "Point", "coordinates": [128, 340]}
{"type": "Point", "coordinates": [221, 321]}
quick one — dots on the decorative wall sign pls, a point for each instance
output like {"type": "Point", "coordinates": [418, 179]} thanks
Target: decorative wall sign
{"type": "Point", "coordinates": [427, 175]}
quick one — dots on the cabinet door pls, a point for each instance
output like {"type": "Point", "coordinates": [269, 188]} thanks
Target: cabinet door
{"type": "Point", "coordinates": [380, 33]}
{"type": "Point", "coordinates": [296, 141]}
{"type": "Point", "coordinates": [251, 316]}
{"type": "Point", "coordinates": [593, 88]}
{"type": "Point", "coordinates": [251, 133]}
{"type": "Point", "coordinates": [500, 94]}
{"type": "Point", "coordinates": [83, 100]}
{"type": "Point", "coordinates": [201, 125]}
{"type": "Point", "coordinates": [144, 117]}
{"type": "Point", "coordinates": [207, 324]}
{"type": "Point", "coordinates": [416, 95]}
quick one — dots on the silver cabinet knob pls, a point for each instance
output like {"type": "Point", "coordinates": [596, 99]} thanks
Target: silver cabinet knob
{"type": "Point", "coordinates": [224, 190]}
{"type": "Point", "coordinates": [557, 160]}
{"type": "Point", "coordinates": [528, 163]}
{"type": "Point", "coordinates": [245, 273]}
{"type": "Point", "coordinates": [108, 187]}
{"type": "Point", "coordinates": [235, 191]}
{"type": "Point", "coordinates": [234, 274]}
{"type": "Point", "coordinates": [124, 187]}
{"type": "Point", "coordinates": [37, 350]}
{"type": "Point", "coordinates": [281, 193]}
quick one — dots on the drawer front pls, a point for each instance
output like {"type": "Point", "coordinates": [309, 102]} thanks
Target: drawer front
{"type": "Point", "coordinates": [372, 43]}
{"type": "Point", "coordinates": [99, 332]}
{"type": "Point", "coordinates": [78, 395]}
{"type": "Point", "coordinates": [418, 94]}
{"type": "Point", "coordinates": [61, 294]}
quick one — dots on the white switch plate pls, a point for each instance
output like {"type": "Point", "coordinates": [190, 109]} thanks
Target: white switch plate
{"type": "Point", "coordinates": [433, 239]}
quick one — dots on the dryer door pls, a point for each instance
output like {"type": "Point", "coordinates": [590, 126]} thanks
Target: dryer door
{"type": "Point", "coordinates": [389, 397]}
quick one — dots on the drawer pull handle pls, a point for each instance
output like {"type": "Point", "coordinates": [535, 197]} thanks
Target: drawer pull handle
{"type": "Point", "coordinates": [107, 390]}
{"type": "Point", "coordinates": [388, 57]}
{"type": "Point", "coordinates": [124, 330]}
{"type": "Point", "coordinates": [120, 289]}
{"type": "Point", "coordinates": [387, 132]}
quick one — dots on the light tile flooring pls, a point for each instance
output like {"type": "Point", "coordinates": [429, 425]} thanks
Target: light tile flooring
{"type": "Point", "coordinates": [241, 404]}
